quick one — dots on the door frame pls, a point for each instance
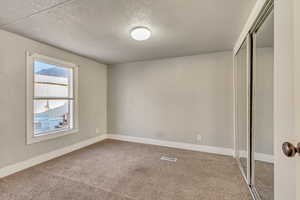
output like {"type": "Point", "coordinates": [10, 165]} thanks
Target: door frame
{"type": "Point", "coordinates": [284, 98]}
{"type": "Point", "coordinates": [297, 81]}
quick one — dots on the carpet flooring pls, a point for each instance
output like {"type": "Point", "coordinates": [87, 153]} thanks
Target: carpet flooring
{"type": "Point", "coordinates": [264, 179]}
{"type": "Point", "coordinates": [114, 170]}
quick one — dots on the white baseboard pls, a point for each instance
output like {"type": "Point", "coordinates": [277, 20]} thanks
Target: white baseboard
{"type": "Point", "coordinates": [264, 157]}
{"type": "Point", "coordinates": [11, 169]}
{"type": "Point", "coordinates": [259, 156]}
{"type": "Point", "coordinates": [179, 145]}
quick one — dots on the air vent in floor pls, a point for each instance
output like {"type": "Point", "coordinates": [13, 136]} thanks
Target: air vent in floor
{"type": "Point", "coordinates": [167, 158]}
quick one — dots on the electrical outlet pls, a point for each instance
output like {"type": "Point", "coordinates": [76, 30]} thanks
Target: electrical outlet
{"type": "Point", "coordinates": [97, 130]}
{"type": "Point", "coordinates": [199, 138]}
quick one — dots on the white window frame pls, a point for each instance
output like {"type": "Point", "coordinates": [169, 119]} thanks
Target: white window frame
{"type": "Point", "coordinates": [30, 59]}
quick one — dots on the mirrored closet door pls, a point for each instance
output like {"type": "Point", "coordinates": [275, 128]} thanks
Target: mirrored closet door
{"type": "Point", "coordinates": [254, 105]}
{"type": "Point", "coordinates": [242, 107]}
{"type": "Point", "coordinates": [262, 107]}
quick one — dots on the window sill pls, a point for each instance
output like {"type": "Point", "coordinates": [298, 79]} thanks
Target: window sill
{"type": "Point", "coordinates": [36, 139]}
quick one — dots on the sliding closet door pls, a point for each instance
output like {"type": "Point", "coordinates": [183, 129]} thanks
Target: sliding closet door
{"type": "Point", "coordinates": [262, 117]}
{"type": "Point", "coordinates": [242, 78]}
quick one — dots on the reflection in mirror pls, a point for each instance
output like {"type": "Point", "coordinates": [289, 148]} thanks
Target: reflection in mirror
{"type": "Point", "coordinates": [241, 105]}
{"type": "Point", "coordinates": [263, 110]}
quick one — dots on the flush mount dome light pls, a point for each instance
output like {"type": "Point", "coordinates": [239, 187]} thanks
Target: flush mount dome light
{"type": "Point", "coordinates": [140, 33]}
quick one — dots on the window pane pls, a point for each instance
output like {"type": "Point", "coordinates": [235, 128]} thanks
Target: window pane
{"type": "Point", "coordinates": [49, 90]}
{"type": "Point", "coordinates": [52, 81]}
{"type": "Point", "coordinates": [52, 115]}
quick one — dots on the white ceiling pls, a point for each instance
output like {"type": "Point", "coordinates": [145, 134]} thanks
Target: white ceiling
{"type": "Point", "coordinates": [99, 29]}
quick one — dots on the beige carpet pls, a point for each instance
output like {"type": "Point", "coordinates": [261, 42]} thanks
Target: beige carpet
{"type": "Point", "coordinates": [113, 170]}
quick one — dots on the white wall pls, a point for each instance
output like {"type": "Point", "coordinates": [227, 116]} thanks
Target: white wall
{"type": "Point", "coordinates": [92, 99]}
{"type": "Point", "coordinates": [174, 99]}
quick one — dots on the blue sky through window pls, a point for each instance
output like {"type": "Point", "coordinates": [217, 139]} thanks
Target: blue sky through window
{"type": "Point", "coordinates": [51, 81]}
{"type": "Point", "coordinates": [50, 70]}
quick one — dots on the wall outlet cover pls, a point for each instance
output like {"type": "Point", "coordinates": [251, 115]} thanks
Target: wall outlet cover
{"type": "Point", "coordinates": [199, 137]}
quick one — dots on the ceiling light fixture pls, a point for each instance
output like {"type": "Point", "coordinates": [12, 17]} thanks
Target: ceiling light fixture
{"type": "Point", "coordinates": [140, 33]}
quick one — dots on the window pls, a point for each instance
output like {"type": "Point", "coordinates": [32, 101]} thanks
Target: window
{"type": "Point", "coordinates": [51, 98]}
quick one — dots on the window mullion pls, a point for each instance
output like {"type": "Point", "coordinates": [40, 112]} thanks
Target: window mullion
{"type": "Point", "coordinates": [51, 83]}
{"type": "Point", "coordinates": [53, 98]}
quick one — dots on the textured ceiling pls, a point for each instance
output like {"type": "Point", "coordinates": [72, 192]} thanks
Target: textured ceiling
{"type": "Point", "coordinates": [99, 29]}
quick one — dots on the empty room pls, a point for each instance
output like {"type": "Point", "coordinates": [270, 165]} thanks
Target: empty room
{"type": "Point", "coordinates": [149, 100]}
